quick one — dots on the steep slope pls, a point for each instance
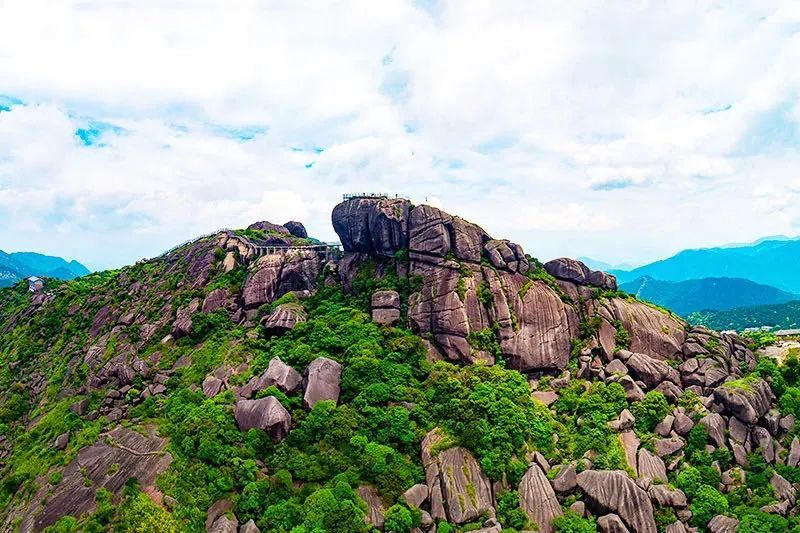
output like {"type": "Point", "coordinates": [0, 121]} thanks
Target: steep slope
{"type": "Point", "coordinates": [778, 316]}
{"type": "Point", "coordinates": [684, 297]}
{"type": "Point", "coordinates": [769, 262]}
{"type": "Point", "coordinates": [430, 377]}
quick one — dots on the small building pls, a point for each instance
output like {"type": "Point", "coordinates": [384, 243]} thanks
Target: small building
{"type": "Point", "coordinates": [788, 333]}
{"type": "Point", "coordinates": [35, 284]}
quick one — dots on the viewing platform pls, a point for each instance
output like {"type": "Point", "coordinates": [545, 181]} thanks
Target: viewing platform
{"type": "Point", "coordinates": [374, 196]}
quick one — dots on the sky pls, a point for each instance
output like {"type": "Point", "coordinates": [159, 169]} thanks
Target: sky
{"type": "Point", "coordinates": [623, 131]}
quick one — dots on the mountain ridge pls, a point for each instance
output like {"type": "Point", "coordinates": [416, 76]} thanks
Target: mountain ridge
{"type": "Point", "coordinates": [684, 297]}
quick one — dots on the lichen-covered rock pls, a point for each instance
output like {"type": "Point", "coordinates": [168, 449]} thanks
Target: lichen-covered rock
{"type": "Point", "coordinates": [249, 527]}
{"type": "Point", "coordinates": [216, 299]}
{"type": "Point", "coordinates": [663, 496]}
{"type": "Point", "coordinates": [322, 381]}
{"type": "Point", "coordinates": [630, 445]}
{"type": "Point", "coordinates": [375, 511]}
{"type": "Point", "coordinates": [131, 454]}
{"type": "Point", "coordinates": [267, 414]}
{"type": "Point", "coordinates": [748, 399]}
{"type": "Point", "coordinates": [650, 331]}
{"type": "Point", "coordinates": [459, 490]}
{"type": "Point", "coordinates": [284, 317]}
{"type": "Point", "coordinates": [416, 495]}
{"type": "Point", "coordinates": [613, 491]}
{"type": "Point", "coordinates": [566, 479]}
{"type": "Point", "coordinates": [650, 371]}
{"type": "Point", "coordinates": [538, 500]}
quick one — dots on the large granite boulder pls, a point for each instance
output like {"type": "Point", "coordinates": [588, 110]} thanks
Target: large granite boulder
{"type": "Point", "coordinates": [748, 399]}
{"type": "Point", "coordinates": [372, 225]}
{"type": "Point", "coordinates": [650, 331]}
{"type": "Point", "coordinates": [297, 229]}
{"type": "Point", "coordinates": [322, 381]}
{"type": "Point", "coordinates": [131, 454]}
{"type": "Point", "coordinates": [459, 490]}
{"type": "Point", "coordinates": [274, 275]}
{"type": "Point", "coordinates": [267, 414]}
{"type": "Point", "coordinates": [278, 374]}
{"type": "Point", "coordinates": [538, 500]}
{"type": "Point", "coordinates": [613, 491]}
{"type": "Point", "coordinates": [573, 271]}
{"type": "Point", "coordinates": [649, 370]}
{"type": "Point", "coordinates": [284, 317]}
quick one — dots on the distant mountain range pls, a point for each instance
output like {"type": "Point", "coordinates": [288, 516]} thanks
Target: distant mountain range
{"type": "Point", "coordinates": [769, 262]}
{"type": "Point", "coordinates": [594, 264]}
{"type": "Point", "coordinates": [779, 316]}
{"type": "Point", "coordinates": [18, 265]}
{"type": "Point", "coordinates": [685, 297]}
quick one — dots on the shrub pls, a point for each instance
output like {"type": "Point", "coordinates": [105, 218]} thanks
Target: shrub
{"type": "Point", "coordinates": [398, 519]}
{"type": "Point", "coordinates": [707, 503]}
{"type": "Point", "coordinates": [571, 522]}
{"type": "Point", "coordinates": [650, 411]}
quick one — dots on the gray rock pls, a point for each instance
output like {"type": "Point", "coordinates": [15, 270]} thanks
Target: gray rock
{"type": "Point", "coordinates": [297, 229]}
{"type": "Point", "coordinates": [651, 466]}
{"type": "Point", "coordinates": [715, 427]}
{"type": "Point", "coordinates": [283, 318]}
{"type": "Point", "coordinates": [651, 371]}
{"type": "Point", "coordinates": [459, 490]}
{"type": "Point", "coordinates": [664, 428]}
{"type": "Point", "coordinates": [416, 495]}
{"type": "Point", "coordinates": [566, 480]}
{"type": "Point", "coordinates": [747, 402]}
{"type": "Point", "coordinates": [682, 424]}
{"type": "Point", "coordinates": [266, 413]}
{"type": "Point", "coordinates": [375, 510]}
{"type": "Point", "coordinates": [663, 496]}
{"type": "Point", "coordinates": [249, 527]}
{"type": "Point", "coordinates": [611, 523]}
{"type": "Point", "coordinates": [668, 446]}
{"type": "Point", "coordinates": [225, 524]}
{"type": "Point", "coordinates": [62, 441]}
{"type": "Point", "coordinates": [537, 499]}
{"type": "Point", "coordinates": [613, 491]}
{"type": "Point", "coordinates": [323, 381]}
{"type": "Point", "coordinates": [783, 489]}
{"type": "Point", "coordinates": [277, 374]}
{"type": "Point", "coordinates": [794, 453]}
{"type": "Point", "coordinates": [723, 524]}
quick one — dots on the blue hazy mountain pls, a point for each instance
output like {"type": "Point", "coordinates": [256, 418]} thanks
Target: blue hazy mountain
{"type": "Point", "coordinates": [768, 262]}
{"type": "Point", "coordinates": [18, 265]}
{"type": "Point", "coordinates": [685, 297]}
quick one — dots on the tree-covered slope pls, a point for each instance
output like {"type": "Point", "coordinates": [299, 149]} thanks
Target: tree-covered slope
{"type": "Point", "coordinates": [778, 316]}
{"type": "Point", "coordinates": [18, 265]}
{"type": "Point", "coordinates": [229, 387]}
{"type": "Point", "coordinates": [684, 297]}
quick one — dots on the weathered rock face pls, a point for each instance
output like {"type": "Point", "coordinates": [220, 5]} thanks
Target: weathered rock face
{"type": "Point", "coordinates": [274, 275]}
{"type": "Point", "coordinates": [650, 331]}
{"type": "Point", "coordinates": [375, 510]}
{"type": "Point", "coordinates": [459, 490]}
{"type": "Point", "coordinates": [278, 374]}
{"type": "Point", "coordinates": [284, 317]}
{"type": "Point", "coordinates": [385, 307]}
{"type": "Point", "coordinates": [747, 401]}
{"type": "Point", "coordinates": [267, 414]}
{"type": "Point", "coordinates": [378, 226]}
{"type": "Point", "coordinates": [538, 500]}
{"type": "Point", "coordinates": [648, 370]}
{"type": "Point", "coordinates": [138, 456]}
{"type": "Point", "coordinates": [323, 381]}
{"type": "Point", "coordinates": [613, 491]}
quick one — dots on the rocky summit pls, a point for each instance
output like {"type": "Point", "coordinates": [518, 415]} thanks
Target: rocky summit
{"type": "Point", "coordinates": [424, 376]}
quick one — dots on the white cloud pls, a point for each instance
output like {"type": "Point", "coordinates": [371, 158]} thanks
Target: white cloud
{"type": "Point", "coordinates": [624, 131]}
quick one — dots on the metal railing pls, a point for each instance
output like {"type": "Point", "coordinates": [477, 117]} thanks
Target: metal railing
{"type": "Point", "coordinates": [373, 196]}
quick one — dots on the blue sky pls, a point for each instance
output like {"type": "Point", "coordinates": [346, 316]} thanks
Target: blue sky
{"type": "Point", "coordinates": [620, 131]}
